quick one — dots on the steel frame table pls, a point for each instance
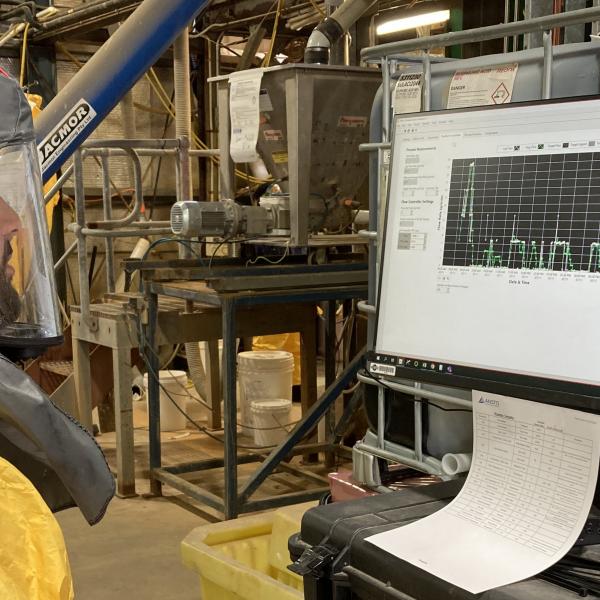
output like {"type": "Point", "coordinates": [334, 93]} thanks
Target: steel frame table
{"type": "Point", "coordinates": [234, 502]}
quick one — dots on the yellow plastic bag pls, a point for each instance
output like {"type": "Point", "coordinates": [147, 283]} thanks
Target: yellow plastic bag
{"type": "Point", "coordinates": [33, 558]}
{"type": "Point", "coordinates": [290, 342]}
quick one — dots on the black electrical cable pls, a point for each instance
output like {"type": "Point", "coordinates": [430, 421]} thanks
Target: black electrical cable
{"type": "Point", "coordinates": [186, 243]}
{"type": "Point", "coordinates": [189, 245]}
{"type": "Point", "coordinates": [92, 268]}
{"type": "Point", "coordinates": [425, 401]}
{"type": "Point", "coordinates": [23, 9]}
{"type": "Point", "coordinates": [212, 257]}
{"type": "Point", "coordinates": [227, 240]}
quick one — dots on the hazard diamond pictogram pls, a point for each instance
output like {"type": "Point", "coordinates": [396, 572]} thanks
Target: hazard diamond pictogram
{"type": "Point", "coordinates": [501, 94]}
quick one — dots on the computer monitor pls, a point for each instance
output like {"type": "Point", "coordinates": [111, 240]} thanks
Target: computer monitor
{"type": "Point", "coordinates": [490, 275]}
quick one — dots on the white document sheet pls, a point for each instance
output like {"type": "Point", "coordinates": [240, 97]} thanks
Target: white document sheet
{"type": "Point", "coordinates": [244, 111]}
{"type": "Point", "coordinates": [407, 93]}
{"type": "Point", "coordinates": [524, 502]}
{"type": "Point", "coordinates": [480, 87]}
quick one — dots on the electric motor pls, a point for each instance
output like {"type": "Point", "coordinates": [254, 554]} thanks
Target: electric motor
{"type": "Point", "coordinates": [219, 219]}
{"type": "Point", "coordinates": [191, 219]}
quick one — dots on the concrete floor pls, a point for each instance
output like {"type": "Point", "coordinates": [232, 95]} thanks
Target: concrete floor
{"type": "Point", "coordinates": [132, 553]}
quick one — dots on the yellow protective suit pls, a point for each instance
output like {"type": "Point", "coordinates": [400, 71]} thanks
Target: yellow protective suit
{"type": "Point", "coordinates": [33, 558]}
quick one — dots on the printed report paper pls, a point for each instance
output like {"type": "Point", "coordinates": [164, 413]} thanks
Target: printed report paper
{"type": "Point", "coordinates": [244, 111]}
{"type": "Point", "coordinates": [523, 505]}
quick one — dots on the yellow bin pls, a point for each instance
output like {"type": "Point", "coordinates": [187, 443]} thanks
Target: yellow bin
{"type": "Point", "coordinates": [246, 558]}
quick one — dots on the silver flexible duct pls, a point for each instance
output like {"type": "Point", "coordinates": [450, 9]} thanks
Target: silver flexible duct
{"type": "Point", "coordinates": [329, 31]}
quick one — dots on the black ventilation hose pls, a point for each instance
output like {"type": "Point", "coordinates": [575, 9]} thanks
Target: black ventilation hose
{"type": "Point", "coordinates": [333, 31]}
{"type": "Point", "coordinates": [316, 56]}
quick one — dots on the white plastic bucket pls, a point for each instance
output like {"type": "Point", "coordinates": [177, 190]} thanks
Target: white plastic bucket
{"type": "Point", "coordinates": [269, 420]}
{"type": "Point", "coordinates": [263, 375]}
{"type": "Point", "coordinates": [175, 384]}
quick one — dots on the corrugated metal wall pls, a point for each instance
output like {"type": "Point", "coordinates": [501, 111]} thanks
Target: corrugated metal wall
{"type": "Point", "coordinates": [150, 118]}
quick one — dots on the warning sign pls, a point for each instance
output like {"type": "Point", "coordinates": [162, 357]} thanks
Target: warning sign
{"type": "Point", "coordinates": [501, 94]}
{"type": "Point", "coordinates": [273, 135]}
{"type": "Point", "coordinates": [407, 93]}
{"type": "Point", "coordinates": [480, 87]}
{"type": "Point", "coordinates": [350, 121]}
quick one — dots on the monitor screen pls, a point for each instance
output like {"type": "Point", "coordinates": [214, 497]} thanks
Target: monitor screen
{"type": "Point", "coordinates": [490, 274]}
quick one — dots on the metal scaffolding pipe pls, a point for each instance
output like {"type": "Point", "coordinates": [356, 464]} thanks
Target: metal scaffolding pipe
{"type": "Point", "coordinates": [429, 464]}
{"type": "Point", "coordinates": [183, 111]}
{"type": "Point", "coordinates": [137, 195]}
{"type": "Point", "coordinates": [84, 290]}
{"type": "Point", "coordinates": [548, 56]}
{"type": "Point", "coordinates": [107, 212]}
{"type": "Point", "coordinates": [123, 233]}
{"type": "Point", "coordinates": [154, 152]}
{"type": "Point", "coordinates": [66, 175]}
{"type": "Point", "coordinates": [63, 259]}
{"type": "Point", "coordinates": [133, 144]}
{"type": "Point", "coordinates": [410, 390]}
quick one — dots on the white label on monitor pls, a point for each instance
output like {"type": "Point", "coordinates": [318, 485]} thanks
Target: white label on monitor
{"type": "Point", "coordinates": [492, 255]}
{"type": "Point", "coordinates": [380, 369]}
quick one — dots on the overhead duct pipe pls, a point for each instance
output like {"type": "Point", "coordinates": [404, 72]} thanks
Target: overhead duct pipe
{"type": "Point", "coordinates": [330, 30]}
{"type": "Point", "coordinates": [97, 88]}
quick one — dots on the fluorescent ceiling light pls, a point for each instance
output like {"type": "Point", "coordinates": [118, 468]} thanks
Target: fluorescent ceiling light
{"type": "Point", "coordinates": [431, 18]}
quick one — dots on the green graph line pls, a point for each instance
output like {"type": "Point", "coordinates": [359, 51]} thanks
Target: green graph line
{"type": "Point", "coordinates": [521, 252]}
{"type": "Point", "coordinates": [468, 206]}
{"type": "Point", "coordinates": [567, 256]}
{"type": "Point", "coordinates": [490, 258]}
{"type": "Point", "coordinates": [594, 257]}
{"type": "Point", "coordinates": [529, 257]}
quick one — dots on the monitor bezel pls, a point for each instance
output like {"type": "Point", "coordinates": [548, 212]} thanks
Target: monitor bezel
{"type": "Point", "coordinates": [569, 394]}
